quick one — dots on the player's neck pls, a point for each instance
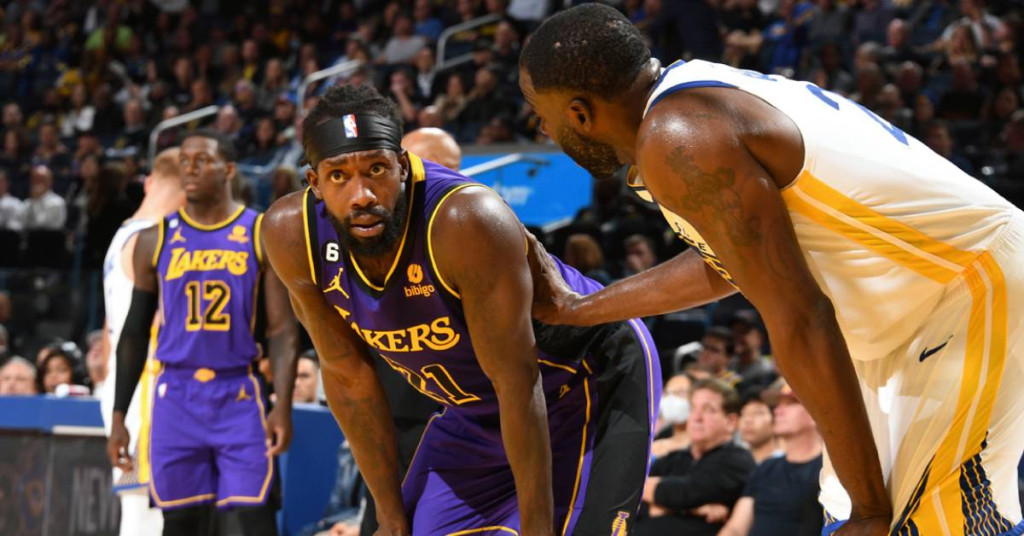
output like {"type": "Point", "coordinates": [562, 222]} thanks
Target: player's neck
{"type": "Point", "coordinates": [803, 447]}
{"type": "Point", "coordinates": [634, 102]}
{"type": "Point", "coordinates": [376, 267]}
{"type": "Point", "coordinates": [211, 212]}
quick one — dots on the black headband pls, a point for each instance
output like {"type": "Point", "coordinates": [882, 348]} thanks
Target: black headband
{"type": "Point", "coordinates": [352, 133]}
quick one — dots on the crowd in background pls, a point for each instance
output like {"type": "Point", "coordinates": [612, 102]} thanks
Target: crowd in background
{"type": "Point", "coordinates": [83, 84]}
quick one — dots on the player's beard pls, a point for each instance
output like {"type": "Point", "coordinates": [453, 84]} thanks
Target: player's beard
{"type": "Point", "coordinates": [596, 157]}
{"type": "Point", "coordinates": [394, 224]}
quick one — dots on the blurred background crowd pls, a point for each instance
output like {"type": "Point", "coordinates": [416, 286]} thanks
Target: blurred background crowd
{"type": "Point", "coordinates": [83, 84]}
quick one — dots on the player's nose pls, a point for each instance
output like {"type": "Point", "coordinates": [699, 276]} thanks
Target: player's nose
{"type": "Point", "coordinates": [363, 196]}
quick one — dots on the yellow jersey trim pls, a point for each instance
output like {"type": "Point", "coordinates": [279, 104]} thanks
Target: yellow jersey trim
{"type": "Point", "coordinates": [484, 529]}
{"type": "Point", "coordinates": [219, 225]}
{"type": "Point", "coordinates": [583, 453]}
{"type": "Point", "coordinates": [430, 241]}
{"type": "Point", "coordinates": [305, 232]}
{"type": "Point", "coordinates": [256, 238]}
{"type": "Point", "coordinates": [556, 365]}
{"type": "Point", "coordinates": [417, 176]}
{"type": "Point", "coordinates": [941, 505]}
{"type": "Point", "coordinates": [897, 241]}
{"type": "Point", "coordinates": [159, 242]}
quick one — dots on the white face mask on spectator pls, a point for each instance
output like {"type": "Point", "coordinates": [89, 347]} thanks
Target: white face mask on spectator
{"type": "Point", "coordinates": [674, 409]}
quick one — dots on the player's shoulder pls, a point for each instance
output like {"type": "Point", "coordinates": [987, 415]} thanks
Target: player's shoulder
{"type": "Point", "coordinates": [472, 211]}
{"type": "Point", "coordinates": [284, 215]}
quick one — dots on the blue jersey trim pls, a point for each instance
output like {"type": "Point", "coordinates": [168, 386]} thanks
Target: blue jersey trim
{"type": "Point", "coordinates": [688, 85]}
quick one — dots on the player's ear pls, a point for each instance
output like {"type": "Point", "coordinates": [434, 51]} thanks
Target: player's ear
{"type": "Point", "coordinates": [314, 182]}
{"type": "Point", "coordinates": [403, 162]}
{"type": "Point", "coordinates": [580, 115]}
{"type": "Point", "coordinates": [230, 169]}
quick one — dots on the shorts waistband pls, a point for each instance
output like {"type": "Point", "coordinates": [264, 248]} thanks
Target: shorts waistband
{"type": "Point", "coordinates": [204, 374]}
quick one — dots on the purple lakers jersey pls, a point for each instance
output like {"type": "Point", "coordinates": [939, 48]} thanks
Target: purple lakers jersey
{"type": "Point", "coordinates": [415, 319]}
{"type": "Point", "coordinates": [209, 278]}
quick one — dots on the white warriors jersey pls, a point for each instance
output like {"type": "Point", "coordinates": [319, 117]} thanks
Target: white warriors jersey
{"type": "Point", "coordinates": [883, 221]}
{"type": "Point", "coordinates": [117, 294]}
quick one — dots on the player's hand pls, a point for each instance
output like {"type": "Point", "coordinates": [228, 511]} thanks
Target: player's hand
{"type": "Point", "coordinates": [117, 445]}
{"type": "Point", "coordinates": [865, 526]}
{"type": "Point", "coordinates": [713, 513]}
{"type": "Point", "coordinates": [553, 299]}
{"type": "Point", "coordinates": [279, 429]}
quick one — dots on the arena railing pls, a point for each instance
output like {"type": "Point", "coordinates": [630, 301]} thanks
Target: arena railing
{"type": "Point", "coordinates": [334, 70]}
{"type": "Point", "coordinates": [442, 42]}
{"type": "Point", "coordinates": [177, 121]}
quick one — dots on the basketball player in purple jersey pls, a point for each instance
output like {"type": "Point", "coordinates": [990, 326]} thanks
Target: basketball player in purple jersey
{"type": "Point", "coordinates": [201, 268]}
{"type": "Point", "coordinates": [545, 430]}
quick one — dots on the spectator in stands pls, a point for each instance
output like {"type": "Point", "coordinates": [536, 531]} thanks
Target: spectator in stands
{"type": "Point", "coordinates": [404, 91]}
{"type": "Point", "coordinates": [640, 254]}
{"type": "Point", "coordinates": [283, 181]}
{"type": "Point", "coordinates": [451, 103]}
{"type": "Point", "coordinates": [583, 253]}
{"type": "Point", "coordinates": [743, 22]}
{"type": "Point", "coordinates": [486, 101]}
{"type": "Point", "coordinates": [673, 414]}
{"type": "Point", "coordinates": [275, 82]}
{"type": "Point", "coordinates": [404, 43]}
{"type": "Point", "coordinates": [134, 135]}
{"type": "Point", "coordinates": [781, 496]}
{"type": "Point", "coordinates": [43, 209]}
{"type": "Point", "coordinates": [10, 207]}
{"type": "Point", "coordinates": [889, 106]}
{"type": "Point", "coordinates": [60, 366]}
{"type": "Point", "coordinates": [96, 358]}
{"type": "Point", "coordinates": [756, 430]}
{"type": "Point", "coordinates": [5, 344]}
{"type": "Point", "coordinates": [869, 84]}
{"type": "Point", "coordinates": [506, 51]}
{"type": "Point", "coordinates": [307, 379]}
{"type": "Point", "coordinates": [716, 354]}
{"type": "Point", "coordinates": [18, 377]}
{"type": "Point", "coordinates": [262, 149]}
{"type": "Point", "coordinates": [428, 84]}
{"type": "Point", "coordinates": [246, 104]}
{"type": "Point", "coordinates": [940, 140]}
{"type": "Point", "coordinates": [12, 117]}
{"type": "Point", "coordinates": [427, 25]}
{"type": "Point", "coordinates": [81, 115]}
{"type": "Point", "coordinates": [200, 95]}
{"type": "Point", "coordinates": [51, 152]}
{"type": "Point", "coordinates": [786, 38]}
{"type": "Point", "coordinates": [251, 68]}
{"type": "Point", "coordinates": [831, 23]}
{"type": "Point", "coordinates": [712, 471]}
{"type": "Point", "coordinates": [15, 159]}
{"type": "Point", "coordinates": [228, 122]}
{"type": "Point", "coordinates": [965, 101]}
{"type": "Point", "coordinates": [756, 370]}
{"type": "Point", "coordinates": [871, 21]}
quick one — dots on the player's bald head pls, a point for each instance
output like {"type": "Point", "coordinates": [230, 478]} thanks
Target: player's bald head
{"type": "Point", "coordinates": [435, 145]}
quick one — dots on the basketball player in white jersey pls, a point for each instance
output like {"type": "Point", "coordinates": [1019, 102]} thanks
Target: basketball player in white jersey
{"type": "Point", "coordinates": [163, 196]}
{"type": "Point", "coordinates": [891, 283]}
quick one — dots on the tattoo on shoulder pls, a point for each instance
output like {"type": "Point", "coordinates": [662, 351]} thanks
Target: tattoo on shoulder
{"type": "Point", "coordinates": [714, 195]}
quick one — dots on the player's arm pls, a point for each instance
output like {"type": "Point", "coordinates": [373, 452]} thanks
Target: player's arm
{"type": "Point", "coordinates": [493, 278]}
{"type": "Point", "coordinates": [695, 161]}
{"type": "Point", "coordinates": [133, 345]}
{"type": "Point", "coordinates": [693, 283]}
{"type": "Point", "coordinates": [282, 349]}
{"type": "Point", "coordinates": [354, 392]}
{"type": "Point", "coordinates": [741, 520]}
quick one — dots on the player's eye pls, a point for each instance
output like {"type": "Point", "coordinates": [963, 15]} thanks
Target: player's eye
{"type": "Point", "coordinates": [378, 169]}
{"type": "Point", "coordinates": [336, 176]}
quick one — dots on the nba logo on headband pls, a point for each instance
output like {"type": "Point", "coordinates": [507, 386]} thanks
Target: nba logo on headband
{"type": "Point", "coordinates": [351, 130]}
